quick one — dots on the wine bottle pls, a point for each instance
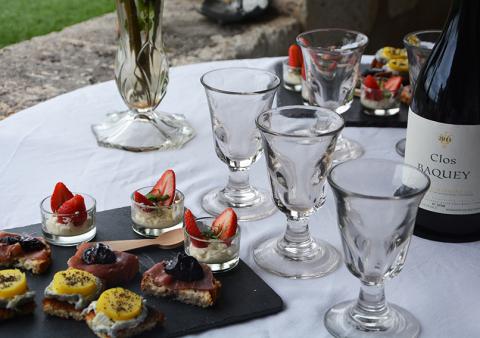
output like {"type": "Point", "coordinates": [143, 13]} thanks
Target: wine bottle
{"type": "Point", "coordinates": [443, 133]}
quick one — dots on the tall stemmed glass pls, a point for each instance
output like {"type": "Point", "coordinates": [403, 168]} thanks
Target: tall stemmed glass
{"type": "Point", "coordinates": [377, 202]}
{"type": "Point", "coordinates": [332, 60]}
{"type": "Point", "coordinates": [298, 143]}
{"type": "Point", "coordinates": [141, 74]}
{"type": "Point", "coordinates": [419, 45]}
{"type": "Point", "coordinates": [235, 97]}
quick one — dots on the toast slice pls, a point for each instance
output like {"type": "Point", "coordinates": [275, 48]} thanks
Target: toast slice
{"type": "Point", "coordinates": [202, 298]}
{"type": "Point", "coordinates": [24, 309]}
{"type": "Point", "coordinates": [153, 319]}
{"type": "Point", "coordinates": [55, 307]}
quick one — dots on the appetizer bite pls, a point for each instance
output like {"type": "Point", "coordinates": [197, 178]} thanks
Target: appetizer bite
{"type": "Point", "coordinates": [214, 241]}
{"type": "Point", "coordinates": [68, 219]}
{"type": "Point", "coordinates": [15, 298]}
{"type": "Point", "coordinates": [381, 96]}
{"type": "Point", "coordinates": [292, 69]}
{"type": "Point", "coordinates": [70, 292]}
{"type": "Point", "coordinates": [121, 313]}
{"type": "Point", "coordinates": [159, 208]}
{"type": "Point", "coordinates": [183, 278]}
{"type": "Point", "coordinates": [24, 252]}
{"type": "Point", "coordinates": [112, 267]}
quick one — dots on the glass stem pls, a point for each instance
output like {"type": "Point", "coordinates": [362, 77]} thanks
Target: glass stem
{"type": "Point", "coordinates": [371, 305]}
{"type": "Point", "coordinates": [297, 243]}
{"type": "Point", "coordinates": [238, 192]}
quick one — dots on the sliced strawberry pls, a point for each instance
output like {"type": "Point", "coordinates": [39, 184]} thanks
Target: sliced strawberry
{"type": "Point", "coordinates": [192, 229]}
{"type": "Point", "coordinates": [393, 83]}
{"type": "Point", "coordinates": [225, 225]}
{"type": "Point", "coordinates": [164, 189]}
{"type": "Point", "coordinates": [139, 198]}
{"type": "Point", "coordinates": [60, 195]}
{"type": "Point", "coordinates": [295, 58]}
{"type": "Point", "coordinates": [74, 209]}
{"type": "Point", "coordinates": [370, 82]}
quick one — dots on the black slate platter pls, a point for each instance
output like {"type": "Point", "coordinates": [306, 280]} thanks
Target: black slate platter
{"type": "Point", "coordinates": [354, 117]}
{"type": "Point", "coordinates": [244, 295]}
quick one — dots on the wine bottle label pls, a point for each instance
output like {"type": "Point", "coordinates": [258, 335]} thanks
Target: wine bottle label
{"type": "Point", "coordinates": [449, 155]}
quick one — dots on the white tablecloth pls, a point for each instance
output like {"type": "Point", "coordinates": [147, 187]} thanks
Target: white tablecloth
{"type": "Point", "coordinates": [52, 142]}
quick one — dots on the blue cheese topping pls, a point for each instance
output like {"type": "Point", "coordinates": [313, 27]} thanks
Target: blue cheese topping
{"type": "Point", "coordinates": [79, 301]}
{"type": "Point", "coordinates": [14, 303]}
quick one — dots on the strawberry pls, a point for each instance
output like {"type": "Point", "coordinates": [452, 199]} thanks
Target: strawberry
{"type": "Point", "coordinates": [74, 209]}
{"type": "Point", "coordinates": [370, 82]}
{"type": "Point", "coordinates": [192, 229]}
{"type": "Point", "coordinates": [225, 225]}
{"type": "Point", "coordinates": [59, 196]}
{"type": "Point", "coordinates": [295, 58]}
{"type": "Point", "coordinates": [393, 83]}
{"type": "Point", "coordinates": [139, 198]}
{"type": "Point", "coordinates": [164, 189]}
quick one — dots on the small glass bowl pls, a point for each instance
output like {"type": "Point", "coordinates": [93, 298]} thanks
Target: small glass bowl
{"type": "Point", "coordinates": [380, 102]}
{"type": "Point", "coordinates": [219, 255]}
{"type": "Point", "coordinates": [292, 77]}
{"type": "Point", "coordinates": [67, 233]}
{"type": "Point", "coordinates": [151, 221]}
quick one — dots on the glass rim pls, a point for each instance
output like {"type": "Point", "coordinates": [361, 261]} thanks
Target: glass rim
{"type": "Point", "coordinates": [211, 240]}
{"type": "Point", "coordinates": [416, 33]}
{"type": "Point", "coordinates": [267, 130]}
{"type": "Point", "coordinates": [231, 92]}
{"type": "Point", "coordinates": [153, 207]}
{"type": "Point", "coordinates": [361, 44]}
{"type": "Point", "coordinates": [350, 193]}
{"type": "Point", "coordinates": [50, 212]}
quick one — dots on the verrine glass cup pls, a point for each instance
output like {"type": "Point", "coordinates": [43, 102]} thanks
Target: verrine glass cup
{"type": "Point", "coordinates": [419, 45]}
{"type": "Point", "coordinates": [377, 202]}
{"type": "Point", "coordinates": [298, 143]}
{"type": "Point", "coordinates": [235, 97]}
{"type": "Point", "coordinates": [332, 61]}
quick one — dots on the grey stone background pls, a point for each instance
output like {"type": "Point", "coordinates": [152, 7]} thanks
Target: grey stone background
{"type": "Point", "coordinates": [43, 67]}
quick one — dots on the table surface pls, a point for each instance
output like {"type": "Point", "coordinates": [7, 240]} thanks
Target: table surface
{"type": "Point", "coordinates": [52, 142]}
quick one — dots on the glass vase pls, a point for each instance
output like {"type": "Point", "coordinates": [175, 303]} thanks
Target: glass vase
{"type": "Point", "coordinates": [141, 74]}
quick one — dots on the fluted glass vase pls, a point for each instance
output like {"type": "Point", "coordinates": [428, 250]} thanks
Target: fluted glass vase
{"type": "Point", "coordinates": [141, 74]}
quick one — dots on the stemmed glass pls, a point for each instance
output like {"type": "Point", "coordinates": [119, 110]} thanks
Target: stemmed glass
{"type": "Point", "coordinates": [141, 74]}
{"type": "Point", "coordinates": [419, 45]}
{"type": "Point", "coordinates": [235, 97]}
{"type": "Point", "coordinates": [299, 142]}
{"type": "Point", "coordinates": [332, 60]}
{"type": "Point", "coordinates": [377, 202]}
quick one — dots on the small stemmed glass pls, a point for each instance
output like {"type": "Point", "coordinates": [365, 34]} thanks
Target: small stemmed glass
{"type": "Point", "coordinates": [332, 60]}
{"type": "Point", "coordinates": [235, 97]}
{"type": "Point", "coordinates": [377, 202]}
{"type": "Point", "coordinates": [298, 142]}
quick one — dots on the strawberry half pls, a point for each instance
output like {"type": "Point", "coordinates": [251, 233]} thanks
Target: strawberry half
{"type": "Point", "coordinates": [164, 189]}
{"type": "Point", "coordinates": [370, 82]}
{"type": "Point", "coordinates": [295, 58]}
{"type": "Point", "coordinates": [192, 229]}
{"type": "Point", "coordinates": [393, 83]}
{"type": "Point", "coordinates": [74, 209]}
{"type": "Point", "coordinates": [60, 195]}
{"type": "Point", "coordinates": [139, 198]}
{"type": "Point", "coordinates": [225, 225]}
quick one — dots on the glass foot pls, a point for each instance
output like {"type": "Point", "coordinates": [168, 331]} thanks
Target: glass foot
{"type": "Point", "coordinates": [400, 147]}
{"type": "Point", "coordinates": [324, 260]}
{"type": "Point", "coordinates": [398, 323]}
{"type": "Point", "coordinates": [256, 205]}
{"type": "Point", "coordinates": [143, 131]}
{"type": "Point", "coordinates": [347, 150]}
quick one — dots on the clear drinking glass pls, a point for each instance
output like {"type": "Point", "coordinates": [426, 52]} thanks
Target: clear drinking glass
{"type": "Point", "coordinates": [332, 61]}
{"type": "Point", "coordinates": [419, 46]}
{"type": "Point", "coordinates": [377, 202]}
{"type": "Point", "coordinates": [141, 74]}
{"type": "Point", "coordinates": [235, 97]}
{"type": "Point", "coordinates": [299, 142]}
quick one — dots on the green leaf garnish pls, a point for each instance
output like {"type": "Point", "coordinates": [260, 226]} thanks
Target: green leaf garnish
{"type": "Point", "coordinates": [151, 197]}
{"type": "Point", "coordinates": [163, 198]}
{"type": "Point", "coordinates": [209, 234]}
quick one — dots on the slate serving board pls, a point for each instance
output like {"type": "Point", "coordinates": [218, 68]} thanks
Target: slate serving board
{"type": "Point", "coordinates": [354, 117]}
{"type": "Point", "coordinates": [244, 294]}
